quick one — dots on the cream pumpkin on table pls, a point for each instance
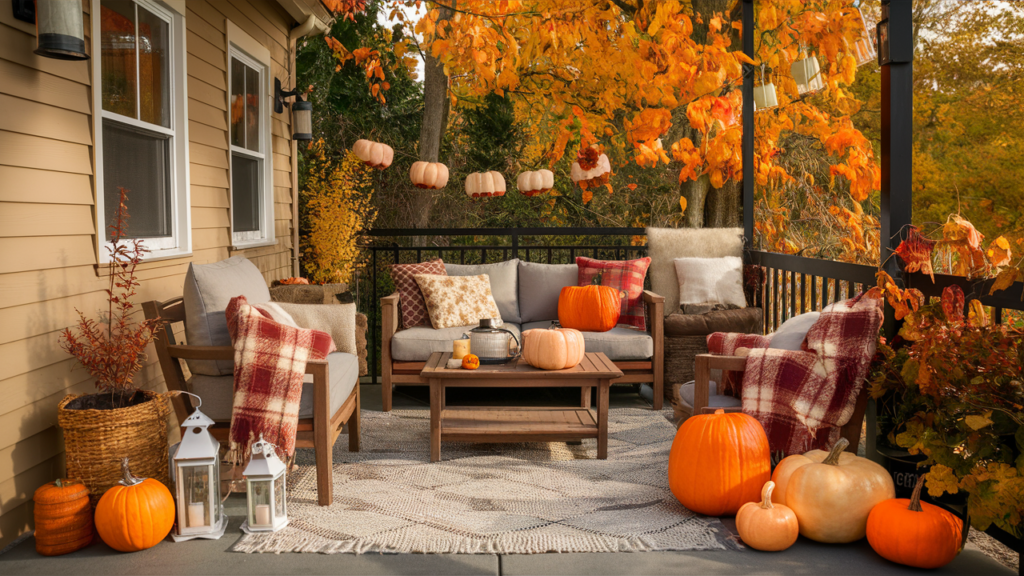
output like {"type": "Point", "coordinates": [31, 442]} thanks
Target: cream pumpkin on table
{"type": "Point", "coordinates": [554, 348]}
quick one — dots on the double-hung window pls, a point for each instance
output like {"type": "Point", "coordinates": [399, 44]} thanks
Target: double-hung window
{"type": "Point", "coordinates": [252, 201]}
{"type": "Point", "coordinates": [141, 131]}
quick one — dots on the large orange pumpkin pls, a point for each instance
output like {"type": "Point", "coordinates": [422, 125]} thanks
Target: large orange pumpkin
{"type": "Point", "coordinates": [914, 533]}
{"type": "Point", "coordinates": [63, 517]}
{"type": "Point", "coordinates": [589, 308]}
{"type": "Point", "coordinates": [766, 526]}
{"type": "Point", "coordinates": [719, 462]}
{"type": "Point", "coordinates": [135, 515]}
{"type": "Point", "coordinates": [553, 349]}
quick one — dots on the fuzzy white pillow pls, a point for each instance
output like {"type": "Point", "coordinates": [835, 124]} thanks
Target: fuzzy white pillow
{"type": "Point", "coordinates": [711, 281]}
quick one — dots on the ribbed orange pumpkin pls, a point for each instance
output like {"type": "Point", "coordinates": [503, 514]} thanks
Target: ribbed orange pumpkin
{"type": "Point", "coordinates": [766, 526]}
{"type": "Point", "coordinates": [589, 308]}
{"type": "Point", "coordinates": [63, 517]}
{"type": "Point", "coordinates": [719, 462]}
{"type": "Point", "coordinates": [135, 515]}
{"type": "Point", "coordinates": [914, 533]}
{"type": "Point", "coordinates": [553, 349]}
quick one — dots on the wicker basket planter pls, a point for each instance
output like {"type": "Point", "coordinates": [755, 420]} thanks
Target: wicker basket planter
{"type": "Point", "coordinates": [96, 440]}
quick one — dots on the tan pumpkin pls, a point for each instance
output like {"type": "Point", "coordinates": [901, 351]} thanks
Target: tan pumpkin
{"type": "Point", "coordinates": [832, 493]}
{"type": "Point", "coordinates": [485, 184]}
{"type": "Point", "coordinates": [63, 517]}
{"type": "Point", "coordinates": [374, 153]}
{"type": "Point", "coordinates": [553, 349]}
{"type": "Point", "coordinates": [534, 183]}
{"type": "Point", "coordinates": [429, 175]}
{"type": "Point", "coordinates": [766, 526]}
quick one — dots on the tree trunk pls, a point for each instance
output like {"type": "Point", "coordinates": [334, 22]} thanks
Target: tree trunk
{"type": "Point", "coordinates": [724, 206]}
{"type": "Point", "coordinates": [435, 121]}
{"type": "Point", "coordinates": [695, 192]}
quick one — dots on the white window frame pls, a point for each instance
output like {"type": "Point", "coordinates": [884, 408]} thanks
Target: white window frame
{"type": "Point", "coordinates": [248, 51]}
{"type": "Point", "coordinates": [180, 242]}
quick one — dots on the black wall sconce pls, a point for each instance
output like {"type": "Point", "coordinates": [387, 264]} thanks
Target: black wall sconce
{"type": "Point", "coordinates": [60, 31]}
{"type": "Point", "coordinates": [302, 111]}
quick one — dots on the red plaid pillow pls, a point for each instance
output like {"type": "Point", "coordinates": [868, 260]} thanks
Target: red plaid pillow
{"type": "Point", "coordinates": [624, 275]}
{"type": "Point", "coordinates": [414, 309]}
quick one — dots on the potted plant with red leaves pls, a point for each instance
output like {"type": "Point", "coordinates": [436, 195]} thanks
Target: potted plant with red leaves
{"type": "Point", "coordinates": [119, 420]}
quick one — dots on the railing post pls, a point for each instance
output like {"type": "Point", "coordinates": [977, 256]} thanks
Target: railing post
{"type": "Point", "coordinates": [748, 126]}
{"type": "Point", "coordinates": [515, 245]}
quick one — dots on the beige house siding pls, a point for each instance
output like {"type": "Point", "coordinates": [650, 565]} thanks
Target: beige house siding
{"type": "Point", "coordinates": [47, 221]}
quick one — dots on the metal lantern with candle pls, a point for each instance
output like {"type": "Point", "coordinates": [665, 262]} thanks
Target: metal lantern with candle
{"type": "Point", "coordinates": [197, 481]}
{"type": "Point", "coordinates": [265, 489]}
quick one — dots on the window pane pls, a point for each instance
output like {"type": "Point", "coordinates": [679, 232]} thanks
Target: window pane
{"type": "Point", "coordinates": [140, 163]}
{"type": "Point", "coordinates": [117, 54]}
{"type": "Point", "coordinates": [154, 69]}
{"type": "Point", "coordinates": [237, 103]}
{"type": "Point", "coordinates": [245, 196]}
{"type": "Point", "coordinates": [252, 109]}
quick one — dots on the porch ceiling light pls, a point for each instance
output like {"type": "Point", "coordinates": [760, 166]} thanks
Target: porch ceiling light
{"type": "Point", "coordinates": [60, 31]}
{"type": "Point", "coordinates": [302, 111]}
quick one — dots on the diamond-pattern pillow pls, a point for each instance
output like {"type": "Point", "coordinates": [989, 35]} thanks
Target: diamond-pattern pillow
{"type": "Point", "coordinates": [623, 275]}
{"type": "Point", "coordinates": [457, 300]}
{"type": "Point", "coordinates": [414, 310]}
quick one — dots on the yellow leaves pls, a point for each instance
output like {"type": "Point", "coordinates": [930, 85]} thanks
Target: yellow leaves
{"type": "Point", "coordinates": [682, 204]}
{"type": "Point", "coordinates": [976, 314]}
{"type": "Point", "coordinates": [977, 422]}
{"type": "Point", "coordinates": [588, 195]}
{"type": "Point", "coordinates": [999, 252]}
{"type": "Point", "coordinates": [941, 480]}
{"type": "Point", "coordinates": [650, 153]}
{"type": "Point", "coordinates": [849, 69]}
{"type": "Point", "coordinates": [685, 152]}
{"type": "Point", "coordinates": [963, 240]}
{"type": "Point", "coordinates": [649, 124]}
{"type": "Point", "coordinates": [1005, 279]}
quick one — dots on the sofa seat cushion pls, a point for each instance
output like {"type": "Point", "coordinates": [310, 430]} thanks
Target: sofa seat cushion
{"type": "Point", "coordinates": [416, 344]}
{"type": "Point", "coordinates": [217, 392]}
{"type": "Point", "coordinates": [742, 320]}
{"type": "Point", "coordinates": [619, 343]}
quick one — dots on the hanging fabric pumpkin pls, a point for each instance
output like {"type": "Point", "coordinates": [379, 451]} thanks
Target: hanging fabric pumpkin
{"type": "Point", "coordinates": [429, 175]}
{"type": "Point", "coordinates": [534, 183]}
{"type": "Point", "coordinates": [63, 517]}
{"type": "Point", "coordinates": [719, 462]}
{"type": "Point", "coordinates": [553, 349]}
{"type": "Point", "coordinates": [589, 308]}
{"type": "Point", "coordinates": [485, 184]}
{"type": "Point", "coordinates": [374, 154]}
{"type": "Point", "coordinates": [914, 533]}
{"type": "Point", "coordinates": [136, 514]}
{"type": "Point", "coordinates": [766, 526]}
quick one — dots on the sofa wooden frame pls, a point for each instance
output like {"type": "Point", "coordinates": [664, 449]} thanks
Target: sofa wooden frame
{"type": "Point", "coordinates": [395, 372]}
{"type": "Point", "coordinates": [319, 432]}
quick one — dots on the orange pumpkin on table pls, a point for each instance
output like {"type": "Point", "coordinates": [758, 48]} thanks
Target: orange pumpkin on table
{"type": "Point", "coordinates": [914, 533]}
{"type": "Point", "coordinates": [553, 349]}
{"type": "Point", "coordinates": [135, 515]}
{"type": "Point", "coordinates": [766, 526]}
{"type": "Point", "coordinates": [719, 462]}
{"type": "Point", "coordinates": [589, 308]}
{"type": "Point", "coordinates": [470, 362]}
{"type": "Point", "coordinates": [63, 517]}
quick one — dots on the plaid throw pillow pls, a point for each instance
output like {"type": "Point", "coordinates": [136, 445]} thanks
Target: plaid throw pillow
{"type": "Point", "coordinates": [624, 275]}
{"type": "Point", "coordinates": [414, 310]}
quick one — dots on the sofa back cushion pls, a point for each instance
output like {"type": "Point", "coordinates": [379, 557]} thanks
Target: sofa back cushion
{"type": "Point", "coordinates": [207, 291]}
{"type": "Point", "coordinates": [626, 276]}
{"type": "Point", "coordinates": [504, 284]}
{"type": "Point", "coordinates": [410, 299]}
{"type": "Point", "coordinates": [539, 287]}
{"type": "Point", "coordinates": [457, 300]}
{"type": "Point", "coordinates": [711, 281]}
{"type": "Point", "coordinates": [666, 244]}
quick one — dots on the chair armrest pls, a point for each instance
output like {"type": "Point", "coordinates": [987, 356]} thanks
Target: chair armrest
{"type": "Point", "coordinates": [654, 305]}
{"type": "Point", "coordinates": [186, 352]}
{"type": "Point", "coordinates": [389, 315]}
{"type": "Point", "coordinates": [650, 297]}
{"type": "Point", "coordinates": [702, 376]}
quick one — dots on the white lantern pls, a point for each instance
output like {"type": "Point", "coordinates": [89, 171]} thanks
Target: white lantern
{"type": "Point", "coordinates": [765, 97]}
{"type": "Point", "coordinates": [265, 489]}
{"type": "Point", "coordinates": [807, 75]}
{"type": "Point", "coordinates": [197, 481]}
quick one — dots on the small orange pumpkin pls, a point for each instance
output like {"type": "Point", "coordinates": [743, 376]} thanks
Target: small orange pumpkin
{"type": "Point", "coordinates": [553, 349]}
{"type": "Point", "coordinates": [470, 362]}
{"type": "Point", "coordinates": [914, 533]}
{"type": "Point", "coordinates": [63, 517]}
{"type": "Point", "coordinates": [294, 280]}
{"type": "Point", "coordinates": [719, 462]}
{"type": "Point", "coordinates": [765, 526]}
{"type": "Point", "coordinates": [135, 515]}
{"type": "Point", "coordinates": [589, 308]}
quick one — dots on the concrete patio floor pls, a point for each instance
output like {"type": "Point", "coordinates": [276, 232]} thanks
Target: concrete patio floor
{"type": "Point", "coordinates": [214, 557]}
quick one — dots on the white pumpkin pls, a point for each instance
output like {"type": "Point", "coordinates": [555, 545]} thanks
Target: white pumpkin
{"type": "Point", "coordinates": [429, 175]}
{"type": "Point", "coordinates": [485, 184]}
{"type": "Point", "coordinates": [534, 183]}
{"type": "Point", "coordinates": [603, 167]}
{"type": "Point", "coordinates": [374, 153]}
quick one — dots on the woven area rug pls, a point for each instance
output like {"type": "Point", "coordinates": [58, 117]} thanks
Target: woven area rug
{"type": "Point", "coordinates": [522, 498]}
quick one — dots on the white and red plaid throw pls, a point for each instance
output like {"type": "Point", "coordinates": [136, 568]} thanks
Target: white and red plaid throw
{"type": "Point", "coordinates": [803, 398]}
{"type": "Point", "coordinates": [270, 363]}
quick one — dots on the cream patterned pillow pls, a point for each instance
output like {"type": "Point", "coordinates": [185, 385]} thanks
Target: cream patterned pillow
{"type": "Point", "coordinates": [457, 300]}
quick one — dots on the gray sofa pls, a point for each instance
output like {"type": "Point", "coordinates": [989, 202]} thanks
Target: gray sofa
{"type": "Point", "coordinates": [526, 294]}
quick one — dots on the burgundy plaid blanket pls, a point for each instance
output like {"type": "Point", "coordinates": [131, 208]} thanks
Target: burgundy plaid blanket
{"type": "Point", "coordinates": [270, 363]}
{"type": "Point", "coordinates": [803, 398]}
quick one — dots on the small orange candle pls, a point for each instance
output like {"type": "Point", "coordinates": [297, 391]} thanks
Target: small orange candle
{"type": "Point", "coordinates": [460, 348]}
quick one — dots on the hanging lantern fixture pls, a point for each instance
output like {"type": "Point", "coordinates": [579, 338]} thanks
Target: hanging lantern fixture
{"type": "Point", "coordinates": [60, 30]}
{"type": "Point", "coordinates": [302, 111]}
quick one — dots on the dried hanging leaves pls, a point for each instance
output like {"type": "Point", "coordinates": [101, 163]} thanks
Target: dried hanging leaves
{"type": "Point", "coordinates": [916, 253]}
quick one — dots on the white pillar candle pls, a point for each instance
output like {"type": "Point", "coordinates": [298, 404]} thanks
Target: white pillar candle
{"type": "Point", "coordinates": [263, 514]}
{"type": "Point", "coordinates": [196, 515]}
{"type": "Point", "coordinates": [459, 349]}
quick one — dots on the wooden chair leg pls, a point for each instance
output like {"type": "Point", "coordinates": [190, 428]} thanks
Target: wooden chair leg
{"type": "Point", "coordinates": [385, 391]}
{"type": "Point", "coordinates": [322, 438]}
{"type": "Point", "coordinates": [353, 425]}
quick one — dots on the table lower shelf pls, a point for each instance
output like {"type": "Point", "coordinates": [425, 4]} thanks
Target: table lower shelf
{"type": "Point", "coordinates": [502, 424]}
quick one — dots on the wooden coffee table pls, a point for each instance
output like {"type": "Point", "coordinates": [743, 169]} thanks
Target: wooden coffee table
{"type": "Point", "coordinates": [519, 424]}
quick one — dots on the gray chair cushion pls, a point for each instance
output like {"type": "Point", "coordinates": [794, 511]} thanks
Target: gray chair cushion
{"type": "Point", "coordinates": [715, 400]}
{"type": "Point", "coordinates": [217, 392]}
{"type": "Point", "coordinates": [416, 344]}
{"type": "Point", "coordinates": [207, 291]}
{"type": "Point", "coordinates": [539, 287]}
{"type": "Point", "coordinates": [504, 284]}
{"type": "Point", "coordinates": [793, 332]}
{"type": "Point", "coordinates": [619, 343]}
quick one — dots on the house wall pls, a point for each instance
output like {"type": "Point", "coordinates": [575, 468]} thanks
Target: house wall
{"type": "Point", "coordinates": [48, 257]}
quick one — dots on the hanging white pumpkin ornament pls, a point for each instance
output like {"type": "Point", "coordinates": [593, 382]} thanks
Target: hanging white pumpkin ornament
{"type": "Point", "coordinates": [429, 175]}
{"type": "Point", "coordinates": [534, 183]}
{"type": "Point", "coordinates": [591, 167]}
{"type": "Point", "coordinates": [374, 154]}
{"type": "Point", "coordinates": [485, 184]}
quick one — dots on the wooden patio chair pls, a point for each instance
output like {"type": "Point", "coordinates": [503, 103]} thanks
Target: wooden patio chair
{"type": "Point", "coordinates": [319, 432]}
